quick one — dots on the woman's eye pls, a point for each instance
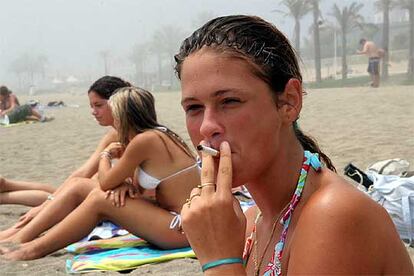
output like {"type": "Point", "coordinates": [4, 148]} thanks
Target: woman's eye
{"type": "Point", "coordinates": [231, 101]}
{"type": "Point", "coordinates": [193, 108]}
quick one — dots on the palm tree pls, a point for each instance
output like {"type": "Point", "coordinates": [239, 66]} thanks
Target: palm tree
{"type": "Point", "coordinates": [166, 40]}
{"type": "Point", "coordinates": [138, 57]}
{"type": "Point", "coordinates": [104, 54]}
{"type": "Point", "coordinates": [296, 9]}
{"type": "Point", "coordinates": [409, 5]}
{"type": "Point", "coordinates": [385, 6]}
{"type": "Point", "coordinates": [316, 38]}
{"type": "Point", "coordinates": [348, 18]}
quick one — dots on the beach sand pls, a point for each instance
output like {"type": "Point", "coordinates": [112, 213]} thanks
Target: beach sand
{"type": "Point", "coordinates": [359, 125]}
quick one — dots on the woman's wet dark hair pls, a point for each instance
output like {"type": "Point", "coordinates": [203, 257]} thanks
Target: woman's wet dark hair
{"type": "Point", "coordinates": [107, 85]}
{"type": "Point", "coordinates": [4, 91]}
{"type": "Point", "coordinates": [263, 46]}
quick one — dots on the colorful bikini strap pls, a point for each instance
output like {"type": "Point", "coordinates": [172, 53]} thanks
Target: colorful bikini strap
{"type": "Point", "coordinates": [313, 160]}
{"type": "Point", "coordinates": [274, 267]}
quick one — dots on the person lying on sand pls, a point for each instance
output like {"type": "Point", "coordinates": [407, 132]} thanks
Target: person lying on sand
{"type": "Point", "coordinates": [12, 112]}
{"type": "Point", "coordinates": [23, 192]}
{"type": "Point", "coordinates": [155, 158]}
{"type": "Point", "coordinates": [78, 185]}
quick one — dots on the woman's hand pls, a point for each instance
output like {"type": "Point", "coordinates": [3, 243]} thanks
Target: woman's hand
{"type": "Point", "coordinates": [115, 149]}
{"type": "Point", "coordinates": [118, 194]}
{"type": "Point", "coordinates": [26, 218]}
{"type": "Point", "coordinates": [212, 219]}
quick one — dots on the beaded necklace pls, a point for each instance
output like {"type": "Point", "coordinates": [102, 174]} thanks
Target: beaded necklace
{"type": "Point", "coordinates": [274, 267]}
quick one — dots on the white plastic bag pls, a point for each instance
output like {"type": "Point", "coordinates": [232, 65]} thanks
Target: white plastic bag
{"type": "Point", "coordinates": [396, 195]}
{"type": "Point", "coordinates": [396, 166]}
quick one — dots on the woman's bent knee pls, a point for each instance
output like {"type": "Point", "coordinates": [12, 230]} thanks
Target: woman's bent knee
{"type": "Point", "coordinates": [97, 196]}
{"type": "Point", "coordinates": [79, 186]}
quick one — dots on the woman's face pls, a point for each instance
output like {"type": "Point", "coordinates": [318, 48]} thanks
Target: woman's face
{"type": "Point", "coordinates": [100, 109]}
{"type": "Point", "coordinates": [224, 101]}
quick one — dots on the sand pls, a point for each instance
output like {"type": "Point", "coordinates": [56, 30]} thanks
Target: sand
{"type": "Point", "coordinates": [359, 125]}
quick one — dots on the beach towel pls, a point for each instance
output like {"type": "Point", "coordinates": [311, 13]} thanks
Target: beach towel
{"type": "Point", "coordinates": [105, 230]}
{"type": "Point", "coordinates": [117, 254]}
{"type": "Point", "coordinates": [4, 124]}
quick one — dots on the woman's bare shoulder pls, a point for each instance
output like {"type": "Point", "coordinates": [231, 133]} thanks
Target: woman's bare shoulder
{"type": "Point", "coordinates": [146, 143]}
{"type": "Point", "coordinates": [343, 230]}
{"type": "Point", "coordinates": [338, 202]}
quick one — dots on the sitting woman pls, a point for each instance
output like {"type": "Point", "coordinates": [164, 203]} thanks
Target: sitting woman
{"type": "Point", "coordinates": [155, 157]}
{"type": "Point", "coordinates": [12, 112]}
{"type": "Point", "coordinates": [23, 192]}
{"type": "Point", "coordinates": [79, 184]}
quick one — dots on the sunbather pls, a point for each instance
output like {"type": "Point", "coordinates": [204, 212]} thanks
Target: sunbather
{"type": "Point", "coordinates": [156, 158]}
{"type": "Point", "coordinates": [24, 193]}
{"type": "Point", "coordinates": [78, 185]}
{"type": "Point", "coordinates": [14, 112]}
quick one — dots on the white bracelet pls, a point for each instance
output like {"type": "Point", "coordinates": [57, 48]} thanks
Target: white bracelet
{"type": "Point", "coordinates": [50, 197]}
{"type": "Point", "coordinates": [106, 154]}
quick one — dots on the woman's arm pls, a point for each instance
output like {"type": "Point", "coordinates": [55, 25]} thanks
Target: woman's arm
{"type": "Point", "coordinates": [13, 104]}
{"type": "Point", "coordinates": [135, 153]}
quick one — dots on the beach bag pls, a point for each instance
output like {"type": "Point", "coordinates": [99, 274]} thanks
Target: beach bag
{"type": "Point", "coordinates": [396, 166]}
{"type": "Point", "coordinates": [396, 195]}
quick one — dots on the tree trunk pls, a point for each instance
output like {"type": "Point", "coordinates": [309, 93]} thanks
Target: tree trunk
{"type": "Point", "coordinates": [159, 69]}
{"type": "Point", "coordinates": [385, 37]}
{"type": "Point", "coordinates": [297, 35]}
{"type": "Point", "coordinates": [316, 41]}
{"type": "Point", "coordinates": [410, 70]}
{"type": "Point", "coordinates": [344, 64]}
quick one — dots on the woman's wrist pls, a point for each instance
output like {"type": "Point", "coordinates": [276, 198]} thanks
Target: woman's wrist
{"type": "Point", "coordinates": [105, 154]}
{"type": "Point", "coordinates": [224, 263]}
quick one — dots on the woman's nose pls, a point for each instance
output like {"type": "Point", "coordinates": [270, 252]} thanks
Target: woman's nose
{"type": "Point", "coordinates": [210, 126]}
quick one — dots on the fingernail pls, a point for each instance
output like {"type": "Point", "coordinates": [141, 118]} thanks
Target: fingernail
{"type": "Point", "coordinates": [224, 145]}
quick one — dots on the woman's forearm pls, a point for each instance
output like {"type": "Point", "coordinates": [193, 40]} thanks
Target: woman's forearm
{"type": "Point", "coordinates": [104, 168]}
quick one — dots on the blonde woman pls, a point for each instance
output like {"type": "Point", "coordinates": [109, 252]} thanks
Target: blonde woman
{"type": "Point", "coordinates": [150, 154]}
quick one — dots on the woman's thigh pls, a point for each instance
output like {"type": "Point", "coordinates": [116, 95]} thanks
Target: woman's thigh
{"type": "Point", "coordinates": [140, 217]}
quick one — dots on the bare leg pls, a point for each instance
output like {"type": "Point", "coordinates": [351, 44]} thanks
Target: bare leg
{"type": "Point", "coordinates": [26, 218]}
{"type": "Point", "coordinates": [376, 80]}
{"type": "Point", "coordinates": [13, 185]}
{"type": "Point", "coordinates": [8, 232]}
{"type": "Point", "coordinates": [36, 114]}
{"type": "Point", "coordinates": [64, 202]}
{"type": "Point", "coordinates": [26, 197]}
{"type": "Point", "coordinates": [138, 216]}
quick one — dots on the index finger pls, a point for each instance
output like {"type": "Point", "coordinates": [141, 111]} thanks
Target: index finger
{"type": "Point", "coordinates": [225, 170]}
{"type": "Point", "coordinates": [207, 173]}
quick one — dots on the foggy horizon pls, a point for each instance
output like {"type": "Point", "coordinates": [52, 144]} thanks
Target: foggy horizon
{"type": "Point", "coordinates": [70, 35]}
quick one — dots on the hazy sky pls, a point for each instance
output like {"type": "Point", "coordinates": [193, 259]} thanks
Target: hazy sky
{"type": "Point", "coordinates": [71, 33]}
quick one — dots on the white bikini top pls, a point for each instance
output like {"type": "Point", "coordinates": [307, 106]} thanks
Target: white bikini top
{"type": "Point", "coordinates": [147, 181]}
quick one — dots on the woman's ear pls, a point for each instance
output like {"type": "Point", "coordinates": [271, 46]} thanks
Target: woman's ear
{"type": "Point", "coordinates": [292, 100]}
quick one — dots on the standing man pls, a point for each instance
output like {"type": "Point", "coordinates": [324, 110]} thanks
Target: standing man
{"type": "Point", "coordinates": [374, 55]}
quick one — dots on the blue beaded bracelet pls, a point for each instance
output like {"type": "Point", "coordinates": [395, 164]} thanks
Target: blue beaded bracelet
{"type": "Point", "coordinates": [221, 262]}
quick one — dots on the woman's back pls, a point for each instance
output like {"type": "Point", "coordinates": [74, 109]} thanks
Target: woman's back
{"type": "Point", "coordinates": [167, 162]}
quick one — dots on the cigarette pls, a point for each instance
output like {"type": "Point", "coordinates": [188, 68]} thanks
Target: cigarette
{"type": "Point", "coordinates": [208, 150]}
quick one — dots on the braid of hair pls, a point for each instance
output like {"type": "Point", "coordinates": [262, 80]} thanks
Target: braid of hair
{"type": "Point", "coordinates": [308, 143]}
